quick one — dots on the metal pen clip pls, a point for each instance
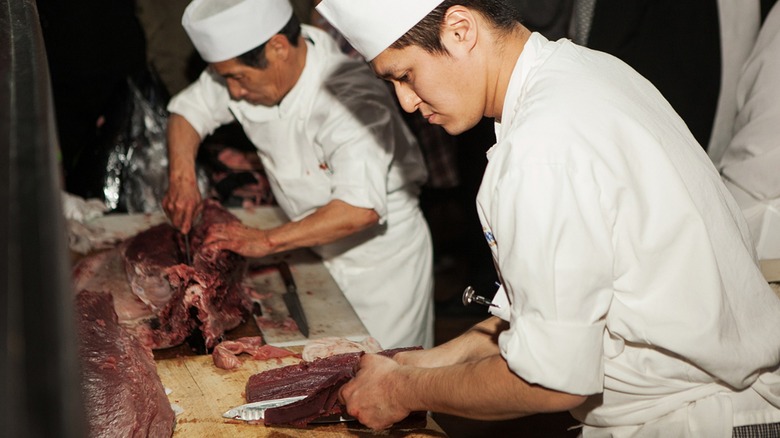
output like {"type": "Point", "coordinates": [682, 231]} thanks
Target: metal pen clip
{"type": "Point", "coordinates": [470, 296]}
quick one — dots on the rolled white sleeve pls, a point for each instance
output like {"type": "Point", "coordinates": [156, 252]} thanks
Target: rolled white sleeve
{"type": "Point", "coordinates": [555, 259]}
{"type": "Point", "coordinates": [204, 104]}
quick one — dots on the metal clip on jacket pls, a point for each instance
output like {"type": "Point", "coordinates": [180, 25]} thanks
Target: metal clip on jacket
{"type": "Point", "coordinates": [470, 296]}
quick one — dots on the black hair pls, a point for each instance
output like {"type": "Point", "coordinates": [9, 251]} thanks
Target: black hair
{"type": "Point", "coordinates": [256, 57]}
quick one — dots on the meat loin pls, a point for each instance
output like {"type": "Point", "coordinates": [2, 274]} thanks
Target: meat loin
{"type": "Point", "coordinates": [122, 392]}
{"type": "Point", "coordinates": [318, 380]}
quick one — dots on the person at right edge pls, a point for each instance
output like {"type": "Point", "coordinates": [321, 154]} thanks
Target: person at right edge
{"type": "Point", "coordinates": [630, 291]}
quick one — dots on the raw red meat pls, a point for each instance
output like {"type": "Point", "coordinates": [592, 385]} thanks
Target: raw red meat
{"type": "Point", "coordinates": [226, 352]}
{"type": "Point", "coordinates": [149, 256]}
{"type": "Point", "coordinates": [158, 296]}
{"type": "Point", "coordinates": [105, 272]}
{"type": "Point", "coordinates": [323, 401]}
{"type": "Point", "coordinates": [331, 346]}
{"type": "Point", "coordinates": [123, 394]}
{"type": "Point", "coordinates": [214, 283]}
{"type": "Point", "coordinates": [319, 380]}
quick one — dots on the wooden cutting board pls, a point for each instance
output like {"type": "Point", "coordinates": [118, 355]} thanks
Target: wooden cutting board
{"type": "Point", "coordinates": [327, 310]}
{"type": "Point", "coordinates": [200, 393]}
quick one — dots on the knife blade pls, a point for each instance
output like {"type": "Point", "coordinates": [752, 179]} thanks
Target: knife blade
{"type": "Point", "coordinates": [256, 411]}
{"type": "Point", "coordinates": [187, 252]}
{"type": "Point", "coordinates": [292, 300]}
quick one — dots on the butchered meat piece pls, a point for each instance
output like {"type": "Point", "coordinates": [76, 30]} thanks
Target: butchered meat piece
{"type": "Point", "coordinates": [331, 346]}
{"type": "Point", "coordinates": [319, 380]}
{"type": "Point", "coordinates": [149, 256]}
{"type": "Point", "coordinates": [225, 354]}
{"type": "Point", "coordinates": [214, 287]}
{"type": "Point", "coordinates": [158, 296]}
{"type": "Point", "coordinates": [299, 379]}
{"type": "Point", "coordinates": [123, 394]}
{"type": "Point", "coordinates": [105, 271]}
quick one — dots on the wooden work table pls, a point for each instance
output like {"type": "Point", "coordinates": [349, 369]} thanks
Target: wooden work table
{"type": "Point", "coordinates": [200, 392]}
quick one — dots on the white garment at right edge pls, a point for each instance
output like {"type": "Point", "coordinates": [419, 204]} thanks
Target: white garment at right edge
{"type": "Point", "coordinates": [751, 162]}
{"type": "Point", "coordinates": [627, 262]}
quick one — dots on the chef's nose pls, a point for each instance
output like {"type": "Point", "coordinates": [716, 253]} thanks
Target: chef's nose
{"type": "Point", "coordinates": [408, 99]}
{"type": "Point", "coordinates": [235, 89]}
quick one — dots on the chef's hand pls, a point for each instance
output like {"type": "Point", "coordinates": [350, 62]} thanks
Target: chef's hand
{"type": "Point", "coordinates": [237, 237]}
{"type": "Point", "coordinates": [182, 203]}
{"type": "Point", "coordinates": [371, 396]}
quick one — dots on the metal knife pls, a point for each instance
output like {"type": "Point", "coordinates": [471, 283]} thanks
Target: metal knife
{"type": "Point", "coordinates": [256, 411]}
{"type": "Point", "coordinates": [292, 300]}
{"type": "Point", "coordinates": [187, 251]}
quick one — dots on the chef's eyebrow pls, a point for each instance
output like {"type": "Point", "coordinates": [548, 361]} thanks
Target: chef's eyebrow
{"type": "Point", "coordinates": [388, 73]}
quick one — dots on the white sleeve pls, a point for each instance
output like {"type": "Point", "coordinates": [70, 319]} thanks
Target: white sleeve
{"type": "Point", "coordinates": [500, 307]}
{"type": "Point", "coordinates": [752, 160]}
{"type": "Point", "coordinates": [555, 258]}
{"type": "Point", "coordinates": [204, 104]}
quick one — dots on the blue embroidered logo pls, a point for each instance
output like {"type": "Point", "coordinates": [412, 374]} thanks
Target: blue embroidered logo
{"type": "Point", "coordinates": [489, 237]}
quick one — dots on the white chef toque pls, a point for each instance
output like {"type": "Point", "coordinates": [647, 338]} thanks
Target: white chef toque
{"type": "Point", "coordinates": [223, 29]}
{"type": "Point", "coordinates": [371, 26]}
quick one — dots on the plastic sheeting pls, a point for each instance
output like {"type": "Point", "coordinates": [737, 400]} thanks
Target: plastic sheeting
{"type": "Point", "coordinates": [136, 166]}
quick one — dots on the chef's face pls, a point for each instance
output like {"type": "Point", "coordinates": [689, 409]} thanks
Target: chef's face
{"type": "Point", "coordinates": [257, 86]}
{"type": "Point", "coordinates": [440, 86]}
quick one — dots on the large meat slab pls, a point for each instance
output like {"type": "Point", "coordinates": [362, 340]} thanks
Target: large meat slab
{"type": "Point", "coordinates": [319, 380]}
{"type": "Point", "coordinates": [123, 396]}
{"type": "Point", "coordinates": [158, 296]}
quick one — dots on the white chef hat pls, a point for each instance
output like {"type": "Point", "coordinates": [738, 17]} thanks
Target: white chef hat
{"type": "Point", "coordinates": [224, 29]}
{"type": "Point", "coordinates": [371, 26]}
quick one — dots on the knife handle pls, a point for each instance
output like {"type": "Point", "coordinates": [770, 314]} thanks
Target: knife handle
{"type": "Point", "coordinates": [289, 281]}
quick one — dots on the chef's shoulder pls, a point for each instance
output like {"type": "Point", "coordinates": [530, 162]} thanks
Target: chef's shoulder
{"type": "Point", "coordinates": [204, 103]}
{"type": "Point", "coordinates": [342, 76]}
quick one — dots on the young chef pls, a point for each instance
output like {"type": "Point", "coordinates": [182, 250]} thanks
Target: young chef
{"type": "Point", "coordinates": [630, 295]}
{"type": "Point", "coordinates": [340, 161]}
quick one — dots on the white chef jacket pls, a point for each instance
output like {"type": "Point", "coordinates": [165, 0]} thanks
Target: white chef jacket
{"type": "Point", "coordinates": [739, 22]}
{"type": "Point", "coordinates": [338, 135]}
{"type": "Point", "coordinates": [627, 264]}
{"type": "Point", "coordinates": [751, 162]}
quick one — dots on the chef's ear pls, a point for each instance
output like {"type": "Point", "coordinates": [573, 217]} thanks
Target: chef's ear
{"type": "Point", "coordinates": [277, 48]}
{"type": "Point", "coordinates": [459, 30]}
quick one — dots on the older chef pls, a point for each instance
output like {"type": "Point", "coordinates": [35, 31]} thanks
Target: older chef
{"type": "Point", "coordinates": [340, 161]}
{"type": "Point", "coordinates": [631, 292]}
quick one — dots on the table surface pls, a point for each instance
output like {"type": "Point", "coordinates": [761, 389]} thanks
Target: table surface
{"type": "Point", "coordinates": [201, 392]}
{"type": "Point", "coordinates": [327, 310]}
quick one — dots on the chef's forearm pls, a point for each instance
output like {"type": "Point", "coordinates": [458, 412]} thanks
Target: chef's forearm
{"type": "Point", "coordinates": [183, 143]}
{"type": "Point", "coordinates": [477, 343]}
{"type": "Point", "coordinates": [486, 389]}
{"type": "Point", "coordinates": [327, 224]}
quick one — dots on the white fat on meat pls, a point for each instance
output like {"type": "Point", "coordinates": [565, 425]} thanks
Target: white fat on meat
{"type": "Point", "coordinates": [331, 346]}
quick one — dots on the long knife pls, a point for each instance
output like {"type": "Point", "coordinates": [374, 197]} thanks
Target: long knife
{"type": "Point", "coordinates": [256, 411]}
{"type": "Point", "coordinates": [292, 300]}
{"type": "Point", "coordinates": [187, 254]}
